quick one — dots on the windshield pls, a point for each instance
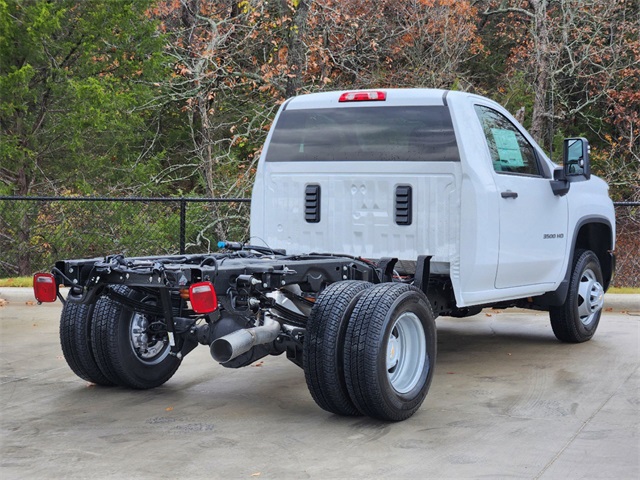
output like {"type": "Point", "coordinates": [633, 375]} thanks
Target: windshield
{"type": "Point", "coordinates": [364, 134]}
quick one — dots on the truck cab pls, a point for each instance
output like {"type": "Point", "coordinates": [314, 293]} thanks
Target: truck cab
{"type": "Point", "coordinates": [405, 173]}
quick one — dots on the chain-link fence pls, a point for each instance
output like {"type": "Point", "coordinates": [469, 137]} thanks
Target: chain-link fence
{"type": "Point", "coordinates": [627, 244]}
{"type": "Point", "coordinates": [37, 231]}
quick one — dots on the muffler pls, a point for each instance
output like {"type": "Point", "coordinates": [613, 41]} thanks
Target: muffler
{"type": "Point", "coordinates": [226, 348]}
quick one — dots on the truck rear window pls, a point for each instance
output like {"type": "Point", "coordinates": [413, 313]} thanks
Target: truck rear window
{"type": "Point", "coordinates": [364, 134]}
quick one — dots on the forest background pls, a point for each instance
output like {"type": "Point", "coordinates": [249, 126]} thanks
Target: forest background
{"type": "Point", "coordinates": [175, 97]}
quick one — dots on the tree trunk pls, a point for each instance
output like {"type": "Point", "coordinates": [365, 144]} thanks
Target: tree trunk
{"type": "Point", "coordinates": [540, 115]}
{"type": "Point", "coordinates": [296, 58]}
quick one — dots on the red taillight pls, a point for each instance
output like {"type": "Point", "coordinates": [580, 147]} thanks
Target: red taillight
{"type": "Point", "coordinates": [367, 96]}
{"type": "Point", "coordinates": [44, 287]}
{"type": "Point", "coordinates": [203, 297]}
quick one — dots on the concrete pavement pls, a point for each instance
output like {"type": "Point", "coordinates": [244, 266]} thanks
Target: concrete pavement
{"type": "Point", "coordinates": [507, 400]}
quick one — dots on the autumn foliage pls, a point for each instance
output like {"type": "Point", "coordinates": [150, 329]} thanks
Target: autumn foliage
{"type": "Point", "coordinates": [171, 96]}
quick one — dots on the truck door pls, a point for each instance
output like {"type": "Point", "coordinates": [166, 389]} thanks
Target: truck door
{"type": "Point", "coordinates": [532, 220]}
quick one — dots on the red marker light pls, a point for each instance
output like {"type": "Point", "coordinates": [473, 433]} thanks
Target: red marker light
{"type": "Point", "coordinates": [367, 96]}
{"type": "Point", "coordinates": [44, 287]}
{"type": "Point", "coordinates": [203, 297]}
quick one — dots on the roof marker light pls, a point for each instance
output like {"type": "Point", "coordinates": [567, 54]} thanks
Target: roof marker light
{"type": "Point", "coordinates": [366, 96]}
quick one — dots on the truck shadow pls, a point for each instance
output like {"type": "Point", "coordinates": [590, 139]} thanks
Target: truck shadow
{"type": "Point", "coordinates": [453, 341]}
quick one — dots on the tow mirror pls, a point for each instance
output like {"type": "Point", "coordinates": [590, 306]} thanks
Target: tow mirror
{"type": "Point", "coordinates": [560, 185]}
{"type": "Point", "coordinates": [575, 158]}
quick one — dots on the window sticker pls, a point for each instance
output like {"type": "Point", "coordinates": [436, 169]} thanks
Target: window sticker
{"type": "Point", "coordinates": [509, 154]}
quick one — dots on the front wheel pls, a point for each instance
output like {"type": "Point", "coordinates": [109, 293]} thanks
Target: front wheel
{"type": "Point", "coordinates": [390, 351]}
{"type": "Point", "coordinates": [577, 319]}
{"type": "Point", "coordinates": [131, 348]}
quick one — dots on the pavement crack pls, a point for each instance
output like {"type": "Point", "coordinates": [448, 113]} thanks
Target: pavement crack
{"type": "Point", "coordinates": [584, 424]}
{"type": "Point", "coordinates": [19, 379]}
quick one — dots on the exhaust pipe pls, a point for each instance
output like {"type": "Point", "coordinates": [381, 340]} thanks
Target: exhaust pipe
{"type": "Point", "coordinates": [241, 341]}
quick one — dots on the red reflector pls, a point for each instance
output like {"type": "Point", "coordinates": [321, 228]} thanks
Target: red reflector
{"type": "Point", "coordinates": [44, 287]}
{"type": "Point", "coordinates": [363, 96]}
{"type": "Point", "coordinates": [203, 297]}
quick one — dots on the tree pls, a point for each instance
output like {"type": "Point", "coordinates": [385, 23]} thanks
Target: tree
{"type": "Point", "coordinates": [580, 59]}
{"type": "Point", "coordinates": [74, 77]}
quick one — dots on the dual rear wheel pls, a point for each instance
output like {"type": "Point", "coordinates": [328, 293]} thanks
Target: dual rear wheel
{"type": "Point", "coordinates": [109, 344]}
{"type": "Point", "coordinates": [370, 350]}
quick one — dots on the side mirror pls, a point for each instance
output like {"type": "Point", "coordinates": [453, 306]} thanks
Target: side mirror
{"type": "Point", "coordinates": [560, 185]}
{"type": "Point", "coordinates": [575, 157]}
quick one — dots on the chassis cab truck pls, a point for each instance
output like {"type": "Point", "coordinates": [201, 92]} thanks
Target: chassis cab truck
{"type": "Point", "coordinates": [373, 212]}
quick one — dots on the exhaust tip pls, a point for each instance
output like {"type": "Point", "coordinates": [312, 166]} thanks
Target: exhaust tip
{"type": "Point", "coordinates": [221, 350]}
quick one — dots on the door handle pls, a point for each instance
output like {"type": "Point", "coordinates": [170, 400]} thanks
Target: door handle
{"type": "Point", "coordinates": [509, 194]}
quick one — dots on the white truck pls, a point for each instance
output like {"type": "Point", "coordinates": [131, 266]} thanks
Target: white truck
{"type": "Point", "coordinates": [373, 212]}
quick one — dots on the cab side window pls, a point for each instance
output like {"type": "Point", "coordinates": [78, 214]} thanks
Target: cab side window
{"type": "Point", "coordinates": [510, 151]}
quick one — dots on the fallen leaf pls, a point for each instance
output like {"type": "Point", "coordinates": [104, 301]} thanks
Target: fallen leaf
{"type": "Point", "coordinates": [30, 303]}
{"type": "Point", "coordinates": [488, 315]}
{"type": "Point", "coordinates": [451, 373]}
{"type": "Point", "coordinates": [610, 309]}
{"type": "Point", "coordinates": [257, 474]}
{"type": "Point", "coordinates": [168, 409]}
{"type": "Point", "coordinates": [3, 302]}
{"type": "Point", "coordinates": [259, 364]}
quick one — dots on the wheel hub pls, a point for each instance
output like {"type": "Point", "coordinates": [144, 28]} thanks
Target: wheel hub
{"type": "Point", "coordinates": [406, 353]}
{"type": "Point", "coordinates": [146, 347]}
{"type": "Point", "coordinates": [590, 297]}
{"type": "Point", "coordinates": [393, 352]}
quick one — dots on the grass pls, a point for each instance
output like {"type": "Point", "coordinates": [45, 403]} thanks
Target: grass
{"type": "Point", "coordinates": [16, 282]}
{"type": "Point", "coordinates": [28, 282]}
{"type": "Point", "coordinates": [634, 290]}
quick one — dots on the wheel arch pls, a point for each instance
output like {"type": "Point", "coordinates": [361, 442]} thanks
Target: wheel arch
{"type": "Point", "coordinates": [595, 233]}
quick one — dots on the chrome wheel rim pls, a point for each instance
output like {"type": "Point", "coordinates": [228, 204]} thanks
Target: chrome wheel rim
{"type": "Point", "coordinates": [148, 348]}
{"type": "Point", "coordinates": [406, 353]}
{"type": "Point", "coordinates": [590, 297]}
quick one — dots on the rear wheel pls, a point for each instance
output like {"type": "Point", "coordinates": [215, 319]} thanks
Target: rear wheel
{"type": "Point", "coordinates": [390, 351]}
{"type": "Point", "coordinates": [324, 346]}
{"type": "Point", "coordinates": [75, 340]}
{"type": "Point", "coordinates": [577, 320]}
{"type": "Point", "coordinates": [132, 348]}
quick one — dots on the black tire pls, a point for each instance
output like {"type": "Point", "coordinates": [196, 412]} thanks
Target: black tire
{"type": "Point", "coordinates": [397, 317]}
{"type": "Point", "coordinates": [75, 340]}
{"type": "Point", "coordinates": [577, 319]}
{"type": "Point", "coordinates": [113, 339]}
{"type": "Point", "coordinates": [323, 350]}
